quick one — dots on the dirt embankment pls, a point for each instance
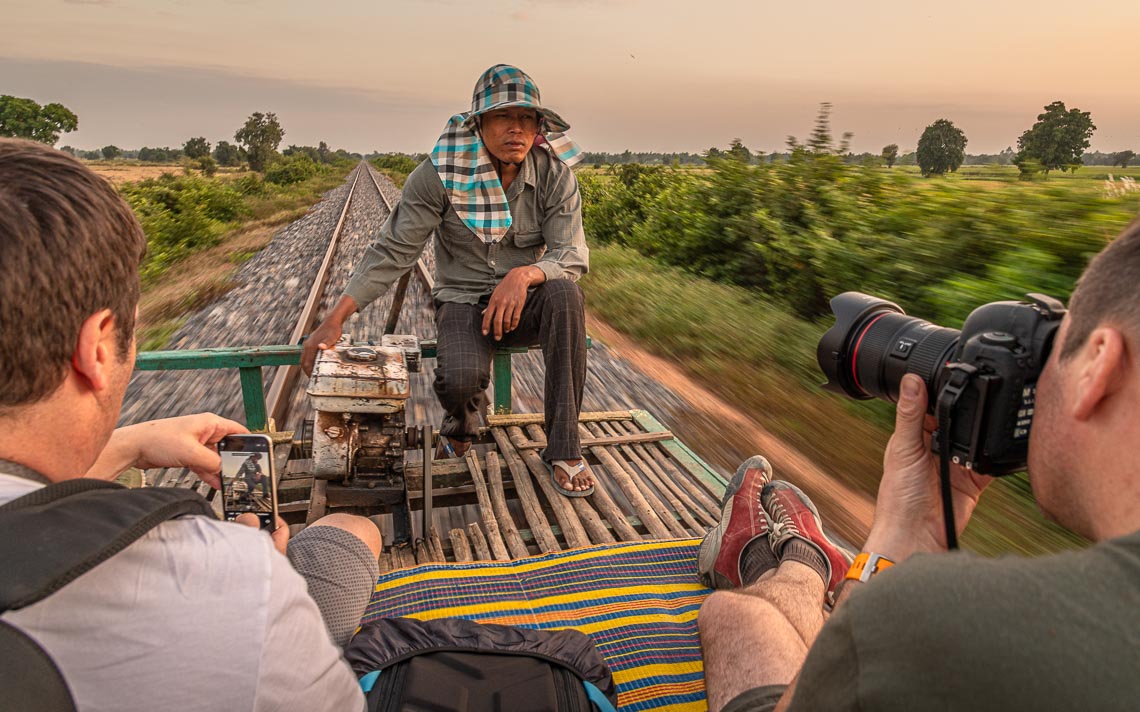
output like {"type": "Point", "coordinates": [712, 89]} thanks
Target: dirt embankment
{"type": "Point", "coordinates": [724, 436]}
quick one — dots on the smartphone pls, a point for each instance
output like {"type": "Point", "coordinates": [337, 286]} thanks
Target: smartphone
{"type": "Point", "coordinates": [249, 483]}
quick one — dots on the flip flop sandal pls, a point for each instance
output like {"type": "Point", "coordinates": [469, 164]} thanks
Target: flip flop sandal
{"type": "Point", "coordinates": [571, 472]}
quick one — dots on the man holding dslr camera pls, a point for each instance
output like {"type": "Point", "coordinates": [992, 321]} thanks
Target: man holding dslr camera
{"type": "Point", "coordinates": [913, 629]}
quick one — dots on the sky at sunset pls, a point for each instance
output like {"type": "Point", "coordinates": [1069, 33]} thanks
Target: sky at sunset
{"type": "Point", "coordinates": [650, 75]}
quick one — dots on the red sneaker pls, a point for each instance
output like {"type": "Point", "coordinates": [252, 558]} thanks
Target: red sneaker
{"type": "Point", "coordinates": [742, 520]}
{"type": "Point", "coordinates": [794, 516]}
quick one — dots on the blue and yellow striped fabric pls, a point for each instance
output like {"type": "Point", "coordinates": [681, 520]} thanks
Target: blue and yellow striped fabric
{"type": "Point", "coordinates": [638, 601]}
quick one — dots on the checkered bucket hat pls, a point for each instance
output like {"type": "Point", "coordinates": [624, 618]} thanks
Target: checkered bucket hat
{"type": "Point", "coordinates": [464, 165]}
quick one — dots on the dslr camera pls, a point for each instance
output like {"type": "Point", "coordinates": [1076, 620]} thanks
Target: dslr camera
{"type": "Point", "coordinates": [981, 381]}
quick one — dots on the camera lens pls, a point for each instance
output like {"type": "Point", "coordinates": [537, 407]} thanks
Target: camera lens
{"type": "Point", "coordinates": [873, 344]}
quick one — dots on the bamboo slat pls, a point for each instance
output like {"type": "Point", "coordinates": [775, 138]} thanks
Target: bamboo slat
{"type": "Point", "coordinates": [532, 510]}
{"type": "Point", "coordinates": [648, 473]}
{"type": "Point", "coordinates": [486, 509]}
{"type": "Point", "coordinates": [695, 490]}
{"type": "Point", "coordinates": [520, 419]}
{"type": "Point", "coordinates": [478, 542]}
{"type": "Point", "coordinates": [655, 504]}
{"type": "Point", "coordinates": [436, 546]}
{"type": "Point", "coordinates": [575, 515]}
{"type": "Point", "coordinates": [672, 481]}
{"type": "Point", "coordinates": [503, 517]}
{"type": "Point", "coordinates": [625, 481]}
{"type": "Point", "coordinates": [572, 528]}
{"type": "Point", "coordinates": [460, 547]}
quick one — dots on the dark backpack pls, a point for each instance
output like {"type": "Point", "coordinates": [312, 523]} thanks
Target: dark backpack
{"type": "Point", "coordinates": [460, 665]}
{"type": "Point", "coordinates": [49, 538]}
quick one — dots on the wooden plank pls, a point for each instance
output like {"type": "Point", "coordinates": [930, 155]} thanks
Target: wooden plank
{"type": "Point", "coordinates": [486, 509]}
{"type": "Point", "coordinates": [525, 490]}
{"type": "Point", "coordinates": [478, 542]}
{"type": "Point", "coordinates": [658, 507]}
{"type": "Point", "coordinates": [502, 421]}
{"type": "Point", "coordinates": [673, 480]}
{"type": "Point", "coordinates": [695, 490]}
{"type": "Point", "coordinates": [567, 517]}
{"type": "Point", "coordinates": [407, 557]}
{"type": "Point", "coordinates": [535, 444]}
{"type": "Point", "coordinates": [707, 476]}
{"type": "Point", "coordinates": [460, 547]}
{"type": "Point", "coordinates": [625, 481]}
{"type": "Point", "coordinates": [423, 552]}
{"type": "Point", "coordinates": [436, 546]}
{"type": "Point", "coordinates": [318, 501]}
{"type": "Point", "coordinates": [648, 473]}
{"type": "Point", "coordinates": [593, 522]}
{"type": "Point", "coordinates": [503, 517]}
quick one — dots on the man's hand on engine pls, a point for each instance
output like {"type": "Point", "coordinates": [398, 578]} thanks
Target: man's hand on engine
{"type": "Point", "coordinates": [327, 334]}
{"type": "Point", "coordinates": [908, 513]}
{"type": "Point", "coordinates": [506, 305]}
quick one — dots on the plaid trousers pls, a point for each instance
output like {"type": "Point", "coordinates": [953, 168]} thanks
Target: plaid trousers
{"type": "Point", "coordinates": [553, 317]}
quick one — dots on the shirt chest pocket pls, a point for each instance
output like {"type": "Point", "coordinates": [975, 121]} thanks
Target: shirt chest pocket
{"type": "Point", "coordinates": [524, 248]}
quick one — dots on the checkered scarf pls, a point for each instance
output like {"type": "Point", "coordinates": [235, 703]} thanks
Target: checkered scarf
{"type": "Point", "coordinates": [464, 165]}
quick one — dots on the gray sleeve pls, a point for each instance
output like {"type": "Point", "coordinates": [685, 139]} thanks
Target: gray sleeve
{"type": "Point", "coordinates": [567, 256]}
{"type": "Point", "coordinates": [402, 237]}
{"type": "Point", "coordinates": [829, 678]}
{"type": "Point", "coordinates": [300, 669]}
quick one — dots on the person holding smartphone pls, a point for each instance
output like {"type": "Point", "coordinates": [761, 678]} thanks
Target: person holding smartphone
{"type": "Point", "coordinates": [222, 619]}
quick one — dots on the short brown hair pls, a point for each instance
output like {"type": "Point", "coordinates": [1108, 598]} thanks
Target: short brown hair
{"type": "Point", "coordinates": [69, 246]}
{"type": "Point", "coordinates": [1108, 291]}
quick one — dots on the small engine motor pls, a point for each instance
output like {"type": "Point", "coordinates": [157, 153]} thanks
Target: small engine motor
{"type": "Point", "coordinates": [359, 392]}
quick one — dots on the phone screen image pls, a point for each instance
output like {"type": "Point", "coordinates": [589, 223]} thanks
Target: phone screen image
{"type": "Point", "coordinates": [248, 484]}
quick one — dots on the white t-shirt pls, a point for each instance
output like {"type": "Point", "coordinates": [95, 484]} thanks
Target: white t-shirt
{"type": "Point", "coordinates": [196, 615]}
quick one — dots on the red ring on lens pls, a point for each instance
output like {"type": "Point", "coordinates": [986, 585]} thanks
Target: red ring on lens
{"type": "Point", "coordinates": [855, 352]}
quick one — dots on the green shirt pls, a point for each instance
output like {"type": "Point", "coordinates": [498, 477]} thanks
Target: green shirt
{"type": "Point", "coordinates": [957, 632]}
{"type": "Point", "coordinates": [546, 231]}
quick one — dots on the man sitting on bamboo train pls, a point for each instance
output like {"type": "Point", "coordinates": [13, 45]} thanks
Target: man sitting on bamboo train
{"type": "Point", "coordinates": [951, 631]}
{"type": "Point", "coordinates": [509, 250]}
{"type": "Point", "coordinates": [195, 614]}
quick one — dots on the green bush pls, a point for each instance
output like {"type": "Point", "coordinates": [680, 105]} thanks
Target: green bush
{"type": "Point", "coordinates": [292, 169]}
{"type": "Point", "coordinates": [802, 230]}
{"type": "Point", "coordinates": [181, 214]}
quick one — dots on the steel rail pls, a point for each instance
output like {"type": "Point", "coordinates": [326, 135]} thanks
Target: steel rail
{"type": "Point", "coordinates": [281, 389]}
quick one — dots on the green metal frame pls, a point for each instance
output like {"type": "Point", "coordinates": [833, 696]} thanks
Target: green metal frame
{"type": "Point", "coordinates": [250, 360]}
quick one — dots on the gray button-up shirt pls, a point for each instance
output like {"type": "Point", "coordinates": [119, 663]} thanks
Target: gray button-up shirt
{"type": "Point", "coordinates": [546, 231]}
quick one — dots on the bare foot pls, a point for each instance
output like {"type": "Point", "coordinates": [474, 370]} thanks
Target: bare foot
{"type": "Point", "coordinates": [580, 482]}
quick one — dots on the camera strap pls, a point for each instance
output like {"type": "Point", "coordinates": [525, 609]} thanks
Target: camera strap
{"type": "Point", "coordinates": [960, 377]}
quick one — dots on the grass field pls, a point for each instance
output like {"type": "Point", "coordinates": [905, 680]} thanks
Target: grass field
{"type": "Point", "coordinates": [119, 172]}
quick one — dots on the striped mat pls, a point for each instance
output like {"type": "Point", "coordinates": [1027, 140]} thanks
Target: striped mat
{"type": "Point", "coordinates": [638, 601]}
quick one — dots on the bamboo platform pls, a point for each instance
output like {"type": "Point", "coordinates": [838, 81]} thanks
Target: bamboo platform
{"type": "Point", "coordinates": [499, 503]}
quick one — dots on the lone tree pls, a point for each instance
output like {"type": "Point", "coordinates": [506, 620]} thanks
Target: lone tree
{"type": "Point", "coordinates": [196, 148]}
{"type": "Point", "coordinates": [739, 152]}
{"type": "Point", "coordinates": [890, 154]}
{"type": "Point", "coordinates": [1057, 140]}
{"type": "Point", "coordinates": [227, 154]}
{"type": "Point", "coordinates": [260, 138]}
{"type": "Point", "coordinates": [112, 151]}
{"type": "Point", "coordinates": [24, 118]}
{"type": "Point", "coordinates": [1123, 158]}
{"type": "Point", "coordinates": [941, 148]}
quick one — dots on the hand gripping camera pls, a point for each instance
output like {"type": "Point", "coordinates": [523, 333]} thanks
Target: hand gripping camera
{"type": "Point", "coordinates": [981, 382]}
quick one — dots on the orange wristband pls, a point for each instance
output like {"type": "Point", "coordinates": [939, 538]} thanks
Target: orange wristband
{"type": "Point", "coordinates": [867, 565]}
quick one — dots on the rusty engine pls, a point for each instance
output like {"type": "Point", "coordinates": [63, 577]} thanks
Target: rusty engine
{"type": "Point", "coordinates": [359, 393]}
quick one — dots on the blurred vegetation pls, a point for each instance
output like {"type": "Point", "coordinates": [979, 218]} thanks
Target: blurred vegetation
{"type": "Point", "coordinates": [728, 270]}
{"type": "Point", "coordinates": [397, 166]}
{"type": "Point", "coordinates": [182, 214]}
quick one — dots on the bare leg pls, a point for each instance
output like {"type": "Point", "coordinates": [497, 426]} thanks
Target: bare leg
{"type": "Point", "coordinates": [759, 635]}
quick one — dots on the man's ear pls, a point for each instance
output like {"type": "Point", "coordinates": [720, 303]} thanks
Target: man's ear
{"type": "Point", "coordinates": [1100, 370]}
{"type": "Point", "coordinates": [96, 350]}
